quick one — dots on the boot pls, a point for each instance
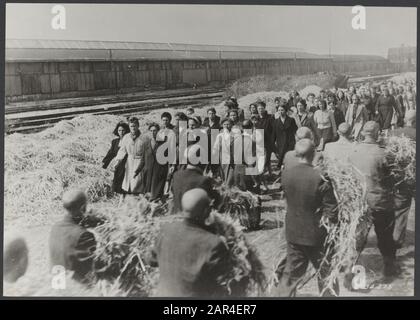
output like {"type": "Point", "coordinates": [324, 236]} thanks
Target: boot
{"type": "Point", "coordinates": [391, 268]}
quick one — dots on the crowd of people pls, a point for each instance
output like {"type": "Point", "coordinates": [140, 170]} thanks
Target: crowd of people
{"type": "Point", "coordinates": [342, 124]}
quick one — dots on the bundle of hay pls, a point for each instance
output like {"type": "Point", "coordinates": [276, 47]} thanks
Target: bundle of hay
{"type": "Point", "coordinates": [245, 275]}
{"type": "Point", "coordinates": [350, 232]}
{"type": "Point", "coordinates": [244, 206]}
{"type": "Point", "coordinates": [127, 235]}
{"type": "Point", "coordinates": [123, 244]}
{"type": "Point", "coordinates": [401, 158]}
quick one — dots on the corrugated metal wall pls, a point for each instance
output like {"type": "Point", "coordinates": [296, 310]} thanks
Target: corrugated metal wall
{"type": "Point", "coordinates": [41, 80]}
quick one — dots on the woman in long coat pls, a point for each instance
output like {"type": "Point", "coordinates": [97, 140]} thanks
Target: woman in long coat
{"type": "Point", "coordinates": [284, 129]}
{"type": "Point", "coordinates": [356, 116]}
{"type": "Point", "coordinates": [120, 130]}
{"type": "Point", "coordinates": [152, 172]}
{"type": "Point", "coordinates": [384, 109]}
{"type": "Point", "coordinates": [131, 147]}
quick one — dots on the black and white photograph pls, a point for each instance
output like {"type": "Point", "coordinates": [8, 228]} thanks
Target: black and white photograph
{"type": "Point", "coordinates": [209, 151]}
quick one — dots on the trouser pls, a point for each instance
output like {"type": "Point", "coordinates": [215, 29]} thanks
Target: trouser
{"type": "Point", "coordinates": [297, 261]}
{"type": "Point", "coordinates": [402, 204]}
{"type": "Point", "coordinates": [267, 164]}
{"type": "Point", "coordinates": [383, 222]}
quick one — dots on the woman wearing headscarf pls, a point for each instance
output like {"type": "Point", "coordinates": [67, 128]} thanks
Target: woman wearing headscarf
{"type": "Point", "coordinates": [120, 130]}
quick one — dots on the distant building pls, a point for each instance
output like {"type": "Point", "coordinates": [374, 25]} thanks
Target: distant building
{"type": "Point", "coordinates": [404, 55]}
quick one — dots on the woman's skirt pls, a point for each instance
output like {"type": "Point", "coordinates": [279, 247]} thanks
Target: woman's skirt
{"type": "Point", "coordinates": [119, 177]}
{"type": "Point", "coordinates": [325, 136]}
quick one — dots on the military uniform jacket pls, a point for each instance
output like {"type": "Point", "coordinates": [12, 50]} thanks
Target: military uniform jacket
{"type": "Point", "coordinates": [309, 196]}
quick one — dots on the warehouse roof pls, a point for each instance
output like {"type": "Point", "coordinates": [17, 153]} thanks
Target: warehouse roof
{"type": "Point", "coordinates": [46, 50]}
{"type": "Point", "coordinates": [356, 57]}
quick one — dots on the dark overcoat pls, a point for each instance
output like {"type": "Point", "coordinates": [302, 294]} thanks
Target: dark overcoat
{"type": "Point", "coordinates": [190, 260]}
{"type": "Point", "coordinates": [119, 170]}
{"type": "Point", "coordinates": [308, 198]}
{"type": "Point", "coordinates": [284, 136]}
{"type": "Point", "coordinates": [72, 246]}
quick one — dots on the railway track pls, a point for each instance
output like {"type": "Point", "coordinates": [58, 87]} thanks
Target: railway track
{"type": "Point", "coordinates": [36, 116]}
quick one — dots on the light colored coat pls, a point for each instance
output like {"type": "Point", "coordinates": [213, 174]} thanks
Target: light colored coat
{"type": "Point", "coordinates": [133, 149]}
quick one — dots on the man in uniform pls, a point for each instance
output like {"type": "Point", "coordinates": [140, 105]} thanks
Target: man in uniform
{"type": "Point", "coordinates": [370, 159]}
{"type": "Point", "coordinates": [309, 196]}
{"type": "Point", "coordinates": [340, 150]}
{"type": "Point", "coordinates": [190, 258]}
{"type": "Point", "coordinates": [291, 159]}
{"type": "Point", "coordinates": [71, 245]}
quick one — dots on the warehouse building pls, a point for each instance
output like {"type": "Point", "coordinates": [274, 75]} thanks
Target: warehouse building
{"type": "Point", "coordinates": [403, 55]}
{"type": "Point", "coordinates": [45, 69]}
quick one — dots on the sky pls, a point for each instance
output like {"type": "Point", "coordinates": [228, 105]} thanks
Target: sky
{"type": "Point", "coordinates": [312, 28]}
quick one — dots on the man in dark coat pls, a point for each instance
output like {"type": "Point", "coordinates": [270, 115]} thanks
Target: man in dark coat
{"type": "Point", "coordinates": [284, 130]}
{"type": "Point", "coordinates": [265, 122]}
{"type": "Point", "coordinates": [309, 196]}
{"type": "Point", "coordinates": [385, 106]}
{"type": "Point", "coordinates": [190, 258]}
{"type": "Point", "coordinates": [369, 158]}
{"type": "Point", "coordinates": [189, 178]}
{"type": "Point", "coordinates": [212, 122]}
{"type": "Point", "coordinates": [403, 195]}
{"type": "Point", "coordinates": [71, 245]}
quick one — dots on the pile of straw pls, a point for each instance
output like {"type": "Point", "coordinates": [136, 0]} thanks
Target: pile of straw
{"type": "Point", "coordinates": [123, 244]}
{"type": "Point", "coordinates": [245, 275]}
{"type": "Point", "coordinates": [344, 237]}
{"type": "Point", "coordinates": [401, 158]}
{"type": "Point", "coordinates": [244, 206]}
{"type": "Point", "coordinates": [40, 167]}
{"type": "Point", "coordinates": [128, 234]}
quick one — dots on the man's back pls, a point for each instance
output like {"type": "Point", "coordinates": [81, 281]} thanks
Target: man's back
{"type": "Point", "coordinates": [370, 160]}
{"type": "Point", "coordinates": [301, 184]}
{"type": "Point", "coordinates": [339, 150]}
{"type": "Point", "coordinates": [71, 246]}
{"type": "Point", "coordinates": [190, 259]}
{"type": "Point", "coordinates": [290, 159]}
